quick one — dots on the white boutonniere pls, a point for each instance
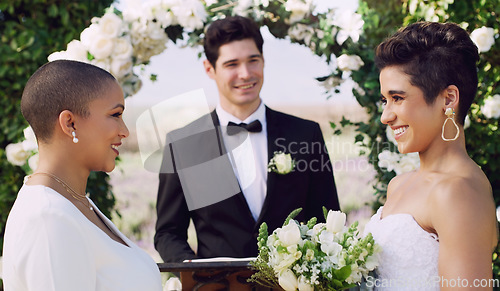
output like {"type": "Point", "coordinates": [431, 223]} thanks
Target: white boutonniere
{"type": "Point", "coordinates": [281, 163]}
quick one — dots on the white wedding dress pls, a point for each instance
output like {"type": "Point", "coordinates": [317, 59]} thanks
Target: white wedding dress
{"type": "Point", "coordinates": [409, 257]}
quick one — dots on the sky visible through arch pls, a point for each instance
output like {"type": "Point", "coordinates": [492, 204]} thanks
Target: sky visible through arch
{"type": "Point", "coordinates": [289, 73]}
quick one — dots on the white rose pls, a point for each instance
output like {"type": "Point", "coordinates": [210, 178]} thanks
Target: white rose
{"type": "Point", "coordinates": [102, 63]}
{"type": "Point", "coordinates": [60, 55]}
{"type": "Point", "coordinates": [303, 285]}
{"type": "Point", "coordinates": [122, 48]}
{"type": "Point", "coordinates": [288, 280]}
{"type": "Point", "coordinates": [407, 163]}
{"type": "Point", "coordinates": [173, 284]}
{"type": "Point", "coordinates": [350, 24]}
{"type": "Point", "coordinates": [283, 162]}
{"type": "Point", "coordinates": [289, 234]}
{"type": "Point", "coordinates": [190, 14]}
{"type": "Point", "coordinates": [121, 67]}
{"type": "Point", "coordinates": [110, 25]}
{"type": "Point", "coordinates": [77, 51]}
{"type": "Point", "coordinates": [491, 107]}
{"type": "Point", "coordinates": [33, 162]}
{"type": "Point", "coordinates": [89, 34]}
{"type": "Point", "coordinates": [101, 47]}
{"type": "Point", "coordinates": [299, 8]}
{"type": "Point", "coordinates": [349, 62]}
{"type": "Point", "coordinates": [16, 154]}
{"type": "Point", "coordinates": [30, 143]}
{"type": "Point", "coordinates": [335, 221]}
{"type": "Point", "coordinates": [483, 38]}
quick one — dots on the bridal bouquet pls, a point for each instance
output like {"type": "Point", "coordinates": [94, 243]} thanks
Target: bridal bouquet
{"type": "Point", "coordinates": [314, 256]}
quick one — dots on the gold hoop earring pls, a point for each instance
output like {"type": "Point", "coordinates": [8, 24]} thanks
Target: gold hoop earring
{"type": "Point", "coordinates": [450, 113]}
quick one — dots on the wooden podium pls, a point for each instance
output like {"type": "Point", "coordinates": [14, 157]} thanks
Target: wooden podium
{"type": "Point", "coordinates": [211, 275]}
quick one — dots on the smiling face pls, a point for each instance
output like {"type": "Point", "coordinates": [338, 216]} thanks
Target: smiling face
{"type": "Point", "coordinates": [101, 132]}
{"type": "Point", "coordinates": [238, 73]}
{"type": "Point", "coordinates": [416, 124]}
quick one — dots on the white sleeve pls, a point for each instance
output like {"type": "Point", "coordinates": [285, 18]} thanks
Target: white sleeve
{"type": "Point", "coordinates": [56, 254]}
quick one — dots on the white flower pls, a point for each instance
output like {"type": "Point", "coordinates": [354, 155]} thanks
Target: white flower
{"type": "Point", "coordinates": [498, 213]}
{"type": "Point", "coordinates": [60, 55]}
{"type": "Point", "coordinates": [110, 25]}
{"type": "Point", "coordinates": [388, 160]}
{"type": "Point", "coordinates": [350, 24]}
{"type": "Point", "coordinates": [467, 122]}
{"type": "Point", "coordinates": [210, 2]}
{"type": "Point", "coordinates": [371, 262]}
{"type": "Point", "coordinates": [289, 234]}
{"type": "Point", "coordinates": [299, 8]}
{"type": "Point", "coordinates": [288, 280]}
{"type": "Point", "coordinates": [301, 31]}
{"type": "Point", "coordinates": [484, 38]}
{"type": "Point", "coordinates": [243, 7]}
{"type": "Point", "coordinates": [30, 143]}
{"type": "Point", "coordinates": [173, 284]}
{"type": "Point", "coordinates": [349, 62]}
{"type": "Point", "coordinates": [281, 163]}
{"type": "Point", "coordinates": [191, 14]}
{"type": "Point", "coordinates": [121, 67]}
{"type": "Point", "coordinates": [122, 48]}
{"type": "Point", "coordinates": [16, 154]}
{"type": "Point", "coordinates": [89, 34]}
{"type": "Point", "coordinates": [101, 47]}
{"type": "Point", "coordinates": [409, 162]}
{"type": "Point", "coordinates": [491, 107]}
{"type": "Point", "coordinates": [335, 221]}
{"type": "Point", "coordinates": [102, 63]}
{"type": "Point", "coordinates": [33, 162]}
{"type": "Point", "coordinates": [390, 135]}
{"type": "Point", "coordinates": [303, 285]}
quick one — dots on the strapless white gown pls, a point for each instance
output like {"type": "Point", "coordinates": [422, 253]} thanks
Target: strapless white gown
{"type": "Point", "coordinates": [409, 257]}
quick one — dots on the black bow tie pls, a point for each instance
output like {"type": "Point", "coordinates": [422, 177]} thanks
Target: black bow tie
{"type": "Point", "coordinates": [254, 126]}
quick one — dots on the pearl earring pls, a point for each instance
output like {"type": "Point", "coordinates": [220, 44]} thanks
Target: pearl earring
{"type": "Point", "coordinates": [75, 139]}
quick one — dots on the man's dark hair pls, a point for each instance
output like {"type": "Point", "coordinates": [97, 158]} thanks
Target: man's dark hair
{"type": "Point", "coordinates": [229, 29]}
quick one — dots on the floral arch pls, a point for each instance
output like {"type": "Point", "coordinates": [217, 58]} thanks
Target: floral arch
{"type": "Point", "coordinates": [120, 41]}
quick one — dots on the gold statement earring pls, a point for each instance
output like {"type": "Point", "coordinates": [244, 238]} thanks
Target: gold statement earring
{"type": "Point", "coordinates": [75, 139]}
{"type": "Point", "coordinates": [450, 115]}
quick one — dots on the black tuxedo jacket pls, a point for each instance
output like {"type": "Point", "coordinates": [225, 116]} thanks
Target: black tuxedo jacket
{"type": "Point", "coordinates": [227, 228]}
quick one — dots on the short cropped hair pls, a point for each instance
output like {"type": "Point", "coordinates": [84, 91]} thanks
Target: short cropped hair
{"type": "Point", "coordinates": [434, 55]}
{"type": "Point", "coordinates": [227, 30]}
{"type": "Point", "coordinates": [61, 85]}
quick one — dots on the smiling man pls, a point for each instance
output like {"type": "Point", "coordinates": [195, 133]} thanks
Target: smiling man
{"type": "Point", "coordinates": [246, 137]}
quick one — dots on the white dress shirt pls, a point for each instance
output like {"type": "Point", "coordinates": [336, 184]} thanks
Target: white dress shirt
{"type": "Point", "coordinates": [248, 155]}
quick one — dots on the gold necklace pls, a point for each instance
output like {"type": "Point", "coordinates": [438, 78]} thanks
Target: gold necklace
{"type": "Point", "coordinates": [70, 190]}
